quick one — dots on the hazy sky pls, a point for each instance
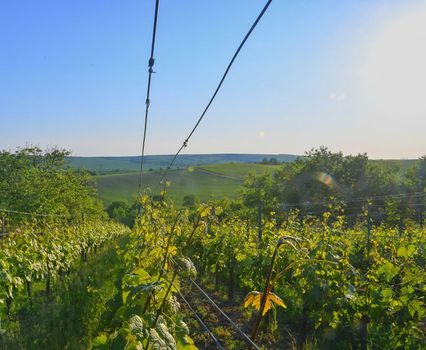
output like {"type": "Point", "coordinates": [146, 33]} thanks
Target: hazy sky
{"type": "Point", "coordinates": [349, 74]}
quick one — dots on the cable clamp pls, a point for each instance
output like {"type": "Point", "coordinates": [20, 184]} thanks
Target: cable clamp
{"type": "Point", "coordinates": [147, 102]}
{"type": "Point", "coordinates": [151, 64]}
{"type": "Point", "coordinates": [185, 143]}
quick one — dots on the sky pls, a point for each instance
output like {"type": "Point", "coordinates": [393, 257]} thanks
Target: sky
{"type": "Point", "coordinates": [347, 74]}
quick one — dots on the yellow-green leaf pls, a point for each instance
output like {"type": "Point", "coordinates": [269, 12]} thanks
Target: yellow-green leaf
{"type": "Point", "coordinates": [277, 300]}
{"type": "Point", "coordinates": [255, 298]}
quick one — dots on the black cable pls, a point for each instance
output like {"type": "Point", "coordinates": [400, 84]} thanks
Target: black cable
{"type": "Point", "coordinates": [32, 214]}
{"type": "Point", "coordinates": [234, 325]}
{"type": "Point", "coordinates": [383, 197]}
{"type": "Point", "coordinates": [148, 90]}
{"type": "Point", "coordinates": [209, 332]}
{"type": "Point", "coordinates": [219, 346]}
{"type": "Point", "coordinates": [185, 143]}
{"type": "Point", "coordinates": [210, 299]}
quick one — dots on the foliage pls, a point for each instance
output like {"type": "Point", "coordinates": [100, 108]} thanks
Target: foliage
{"type": "Point", "coordinates": [341, 287]}
{"type": "Point", "coordinates": [254, 299]}
{"type": "Point", "coordinates": [121, 211]}
{"type": "Point", "coordinates": [34, 259]}
{"type": "Point", "coordinates": [38, 182]}
{"type": "Point", "coordinates": [190, 201]}
{"type": "Point", "coordinates": [322, 179]}
{"type": "Point", "coordinates": [149, 316]}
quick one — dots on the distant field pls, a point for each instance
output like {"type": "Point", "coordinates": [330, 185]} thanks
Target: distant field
{"type": "Point", "coordinates": [239, 170]}
{"type": "Point", "coordinates": [211, 181]}
{"type": "Point", "coordinates": [128, 164]}
{"type": "Point", "coordinates": [206, 182]}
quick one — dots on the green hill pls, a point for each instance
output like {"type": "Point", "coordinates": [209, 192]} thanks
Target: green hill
{"type": "Point", "coordinates": [206, 182]}
{"type": "Point", "coordinates": [211, 181]}
{"type": "Point", "coordinates": [128, 164]}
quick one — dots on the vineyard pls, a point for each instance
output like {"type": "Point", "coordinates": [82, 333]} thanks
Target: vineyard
{"type": "Point", "coordinates": [34, 263]}
{"type": "Point", "coordinates": [311, 283]}
{"type": "Point", "coordinates": [252, 272]}
{"type": "Point", "coordinates": [210, 251]}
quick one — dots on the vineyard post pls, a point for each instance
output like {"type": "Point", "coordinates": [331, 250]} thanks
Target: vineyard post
{"type": "Point", "coordinates": [259, 218]}
{"type": "Point", "coordinates": [82, 218]}
{"type": "Point", "coordinates": [363, 328]}
{"type": "Point", "coordinates": [3, 224]}
{"type": "Point", "coordinates": [369, 226]}
{"type": "Point", "coordinates": [401, 227]}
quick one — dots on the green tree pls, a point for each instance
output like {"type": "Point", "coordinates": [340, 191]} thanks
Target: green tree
{"type": "Point", "coordinates": [322, 178]}
{"type": "Point", "coordinates": [191, 201]}
{"type": "Point", "coordinates": [122, 212]}
{"type": "Point", "coordinates": [36, 181]}
{"type": "Point", "coordinates": [415, 184]}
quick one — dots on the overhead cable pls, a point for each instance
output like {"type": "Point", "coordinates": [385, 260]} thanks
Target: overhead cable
{"type": "Point", "coordinates": [148, 91]}
{"type": "Point", "coordinates": [185, 142]}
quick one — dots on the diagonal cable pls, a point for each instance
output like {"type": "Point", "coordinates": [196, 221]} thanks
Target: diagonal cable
{"type": "Point", "coordinates": [185, 143]}
{"type": "Point", "coordinates": [209, 332]}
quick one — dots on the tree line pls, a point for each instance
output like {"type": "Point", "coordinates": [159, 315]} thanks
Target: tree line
{"type": "Point", "coordinates": [38, 182]}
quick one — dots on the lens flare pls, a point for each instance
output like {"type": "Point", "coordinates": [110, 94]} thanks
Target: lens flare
{"type": "Point", "coordinates": [326, 179]}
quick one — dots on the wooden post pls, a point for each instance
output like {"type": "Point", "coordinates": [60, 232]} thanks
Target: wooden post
{"type": "Point", "coordinates": [3, 224]}
{"type": "Point", "coordinates": [369, 227]}
{"type": "Point", "coordinates": [259, 218]}
{"type": "Point", "coordinates": [363, 326]}
{"type": "Point", "coordinates": [401, 227]}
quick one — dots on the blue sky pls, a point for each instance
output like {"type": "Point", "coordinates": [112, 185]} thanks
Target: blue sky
{"type": "Point", "coordinates": [345, 74]}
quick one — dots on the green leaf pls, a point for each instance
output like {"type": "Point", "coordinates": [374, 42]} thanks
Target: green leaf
{"type": "Point", "coordinates": [185, 267]}
{"type": "Point", "coordinates": [389, 270]}
{"type": "Point", "coordinates": [186, 344]}
{"type": "Point", "coordinates": [387, 293]}
{"type": "Point", "coordinates": [145, 289]}
{"type": "Point", "coordinates": [413, 307]}
{"type": "Point", "coordinates": [100, 342]}
{"type": "Point", "coordinates": [351, 292]}
{"type": "Point", "coordinates": [136, 326]}
{"type": "Point", "coordinates": [161, 339]}
{"type": "Point", "coordinates": [405, 252]}
{"type": "Point", "coordinates": [205, 212]}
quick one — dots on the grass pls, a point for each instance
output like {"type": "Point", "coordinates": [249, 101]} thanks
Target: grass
{"type": "Point", "coordinates": [206, 182]}
{"type": "Point", "coordinates": [240, 170]}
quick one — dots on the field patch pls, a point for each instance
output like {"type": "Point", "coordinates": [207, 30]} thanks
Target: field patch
{"type": "Point", "coordinates": [206, 182]}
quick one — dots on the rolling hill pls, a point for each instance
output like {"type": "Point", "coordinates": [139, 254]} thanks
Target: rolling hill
{"type": "Point", "coordinates": [129, 164]}
{"type": "Point", "coordinates": [206, 182]}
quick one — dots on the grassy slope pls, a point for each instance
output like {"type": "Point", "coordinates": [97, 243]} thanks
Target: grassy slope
{"type": "Point", "coordinates": [128, 164]}
{"type": "Point", "coordinates": [207, 182]}
{"type": "Point", "coordinates": [212, 181]}
{"type": "Point", "coordinates": [240, 169]}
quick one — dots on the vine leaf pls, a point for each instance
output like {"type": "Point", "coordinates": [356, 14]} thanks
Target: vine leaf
{"type": "Point", "coordinates": [186, 267]}
{"type": "Point", "coordinates": [255, 298]}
